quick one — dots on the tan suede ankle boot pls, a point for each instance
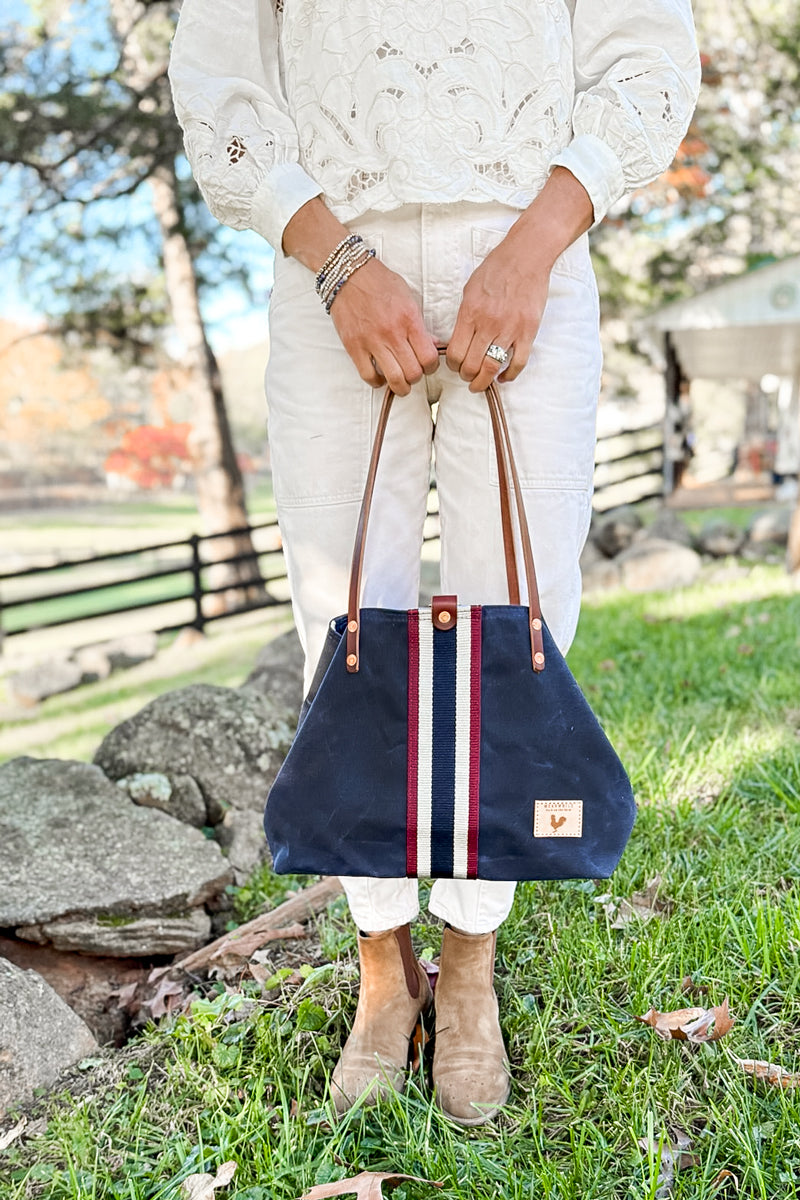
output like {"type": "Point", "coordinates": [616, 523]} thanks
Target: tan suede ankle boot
{"type": "Point", "coordinates": [394, 991]}
{"type": "Point", "coordinates": [470, 1068]}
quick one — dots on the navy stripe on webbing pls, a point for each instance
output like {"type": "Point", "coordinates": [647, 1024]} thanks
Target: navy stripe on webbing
{"type": "Point", "coordinates": [444, 752]}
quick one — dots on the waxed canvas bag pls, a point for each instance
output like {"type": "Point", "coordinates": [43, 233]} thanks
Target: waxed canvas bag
{"type": "Point", "coordinates": [450, 741]}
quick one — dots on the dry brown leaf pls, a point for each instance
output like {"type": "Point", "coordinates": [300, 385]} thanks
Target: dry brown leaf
{"type": "Point", "coordinates": [13, 1133]}
{"type": "Point", "coordinates": [689, 985]}
{"type": "Point", "coordinates": [166, 999]}
{"type": "Point", "coordinates": [259, 972]}
{"type": "Point", "coordinates": [366, 1186]}
{"type": "Point", "coordinates": [723, 1177]}
{"type": "Point", "coordinates": [768, 1072]}
{"type": "Point", "coordinates": [672, 1158]}
{"type": "Point", "coordinates": [690, 1024]}
{"type": "Point", "coordinates": [642, 906]}
{"type": "Point", "coordinates": [126, 996]}
{"type": "Point", "coordinates": [203, 1186]}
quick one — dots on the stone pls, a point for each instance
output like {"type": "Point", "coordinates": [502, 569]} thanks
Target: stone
{"type": "Point", "coordinates": [655, 565]}
{"type": "Point", "coordinates": [601, 576]}
{"type": "Point", "coordinates": [124, 937]}
{"type": "Point", "coordinates": [230, 741]}
{"type": "Point", "coordinates": [278, 672]}
{"type": "Point", "coordinates": [88, 984]}
{"type": "Point", "coordinates": [770, 528]}
{"type": "Point", "coordinates": [590, 555]}
{"type": "Point", "coordinates": [51, 678]}
{"type": "Point", "coordinates": [180, 797]}
{"type": "Point", "coordinates": [124, 652]}
{"type": "Point", "coordinates": [616, 531]}
{"type": "Point", "coordinates": [670, 528]}
{"type": "Point", "coordinates": [241, 835]}
{"type": "Point", "coordinates": [720, 538]}
{"type": "Point", "coordinates": [72, 845]}
{"type": "Point", "coordinates": [93, 662]}
{"type": "Point", "coordinates": [40, 1036]}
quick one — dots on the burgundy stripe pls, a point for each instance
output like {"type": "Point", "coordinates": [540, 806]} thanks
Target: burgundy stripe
{"type": "Point", "coordinates": [474, 743]}
{"type": "Point", "coordinates": [413, 742]}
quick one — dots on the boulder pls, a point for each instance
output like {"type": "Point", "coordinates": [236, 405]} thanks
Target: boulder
{"type": "Point", "coordinates": [124, 937]}
{"type": "Point", "coordinates": [241, 834]}
{"type": "Point", "coordinates": [230, 741]}
{"type": "Point", "coordinates": [40, 1036]}
{"type": "Point", "coordinates": [74, 848]}
{"type": "Point", "coordinates": [124, 652]}
{"type": "Point", "coordinates": [669, 527]}
{"type": "Point", "coordinates": [93, 662]}
{"type": "Point", "coordinates": [654, 565]}
{"type": "Point", "coordinates": [720, 538]}
{"type": "Point", "coordinates": [179, 796]}
{"type": "Point", "coordinates": [617, 530]}
{"type": "Point", "coordinates": [278, 672]}
{"type": "Point", "coordinates": [35, 684]}
{"type": "Point", "coordinates": [601, 576]}
{"type": "Point", "coordinates": [770, 528]}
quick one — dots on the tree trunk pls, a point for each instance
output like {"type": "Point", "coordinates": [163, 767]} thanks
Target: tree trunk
{"type": "Point", "coordinates": [218, 479]}
{"type": "Point", "coordinates": [793, 549]}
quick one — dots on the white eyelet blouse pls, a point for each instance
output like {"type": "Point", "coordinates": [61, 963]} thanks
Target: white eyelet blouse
{"type": "Point", "coordinates": [378, 103]}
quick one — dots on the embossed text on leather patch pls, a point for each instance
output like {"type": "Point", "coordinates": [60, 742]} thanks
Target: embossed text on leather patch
{"type": "Point", "coordinates": [558, 818]}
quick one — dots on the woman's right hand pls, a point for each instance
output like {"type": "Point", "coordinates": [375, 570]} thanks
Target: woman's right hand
{"type": "Point", "coordinates": [380, 324]}
{"type": "Point", "coordinates": [375, 314]}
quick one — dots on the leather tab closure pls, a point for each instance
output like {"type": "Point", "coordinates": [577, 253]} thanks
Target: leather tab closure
{"type": "Point", "coordinates": [444, 611]}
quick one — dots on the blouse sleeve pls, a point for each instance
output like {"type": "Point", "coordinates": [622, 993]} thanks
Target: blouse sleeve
{"type": "Point", "coordinates": [637, 78]}
{"type": "Point", "coordinates": [241, 143]}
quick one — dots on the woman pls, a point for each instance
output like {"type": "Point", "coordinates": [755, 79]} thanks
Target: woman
{"type": "Point", "coordinates": [427, 175]}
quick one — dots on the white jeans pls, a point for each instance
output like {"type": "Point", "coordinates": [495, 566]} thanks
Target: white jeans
{"type": "Point", "coordinates": [321, 422]}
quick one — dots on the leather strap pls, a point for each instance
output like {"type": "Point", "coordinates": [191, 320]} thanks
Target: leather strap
{"type": "Point", "coordinates": [505, 464]}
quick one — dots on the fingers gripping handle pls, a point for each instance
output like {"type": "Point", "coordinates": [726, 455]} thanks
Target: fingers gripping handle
{"type": "Point", "coordinates": [509, 480]}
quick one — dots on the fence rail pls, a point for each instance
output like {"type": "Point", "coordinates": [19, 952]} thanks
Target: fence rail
{"type": "Point", "coordinates": [629, 469]}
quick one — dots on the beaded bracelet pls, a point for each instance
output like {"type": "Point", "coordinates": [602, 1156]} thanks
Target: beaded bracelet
{"type": "Point", "coordinates": [341, 263]}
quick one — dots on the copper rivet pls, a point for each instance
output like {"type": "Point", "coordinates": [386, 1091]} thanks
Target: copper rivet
{"type": "Point", "coordinates": [539, 658]}
{"type": "Point", "coordinates": [352, 626]}
{"type": "Point", "coordinates": [536, 623]}
{"type": "Point", "coordinates": [444, 617]}
{"type": "Point", "coordinates": [351, 660]}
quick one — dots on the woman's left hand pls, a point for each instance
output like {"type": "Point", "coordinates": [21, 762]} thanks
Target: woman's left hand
{"type": "Point", "coordinates": [503, 303]}
{"type": "Point", "coordinates": [505, 296]}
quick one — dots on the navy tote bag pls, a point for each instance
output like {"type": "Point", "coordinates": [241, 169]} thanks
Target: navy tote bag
{"type": "Point", "coordinates": [450, 741]}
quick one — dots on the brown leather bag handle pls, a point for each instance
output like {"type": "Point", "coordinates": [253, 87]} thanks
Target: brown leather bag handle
{"type": "Point", "coordinates": [504, 453]}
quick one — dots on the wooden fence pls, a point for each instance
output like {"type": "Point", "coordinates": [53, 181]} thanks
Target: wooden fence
{"type": "Point", "coordinates": [174, 577]}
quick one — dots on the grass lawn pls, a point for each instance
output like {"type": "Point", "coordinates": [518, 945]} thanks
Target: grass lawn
{"type": "Point", "coordinates": [700, 691]}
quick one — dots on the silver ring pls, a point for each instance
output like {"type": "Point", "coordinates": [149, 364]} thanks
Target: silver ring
{"type": "Point", "coordinates": [498, 354]}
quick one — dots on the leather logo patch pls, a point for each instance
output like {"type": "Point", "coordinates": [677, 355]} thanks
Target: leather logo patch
{"type": "Point", "coordinates": [558, 818]}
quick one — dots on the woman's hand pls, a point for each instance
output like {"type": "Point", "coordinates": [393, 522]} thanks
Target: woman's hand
{"type": "Point", "coordinates": [505, 296]}
{"type": "Point", "coordinates": [375, 314]}
{"type": "Point", "coordinates": [381, 327]}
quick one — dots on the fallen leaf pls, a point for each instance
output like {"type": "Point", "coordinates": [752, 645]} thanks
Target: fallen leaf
{"type": "Point", "coordinates": [203, 1186]}
{"type": "Point", "coordinates": [768, 1072]}
{"type": "Point", "coordinates": [690, 1024]}
{"type": "Point", "coordinates": [689, 985]}
{"type": "Point", "coordinates": [723, 1177]}
{"type": "Point", "coordinates": [672, 1158]}
{"type": "Point", "coordinates": [642, 906]}
{"type": "Point", "coordinates": [367, 1186]}
{"type": "Point", "coordinates": [13, 1133]}
{"type": "Point", "coordinates": [259, 972]}
{"type": "Point", "coordinates": [126, 996]}
{"type": "Point", "coordinates": [166, 999]}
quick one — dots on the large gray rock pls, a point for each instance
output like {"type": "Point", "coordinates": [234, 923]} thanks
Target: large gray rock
{"type": "Point", "coordinates": [720, 538]}
{"type": "Point", "coordinates": [73, 845]}
{"type": "Point", "coordinates": [231, 742]}
{"type": "Point", "coordinates": [654, 565]}
{"type": "Point", "coordinates": [40, 1036]}
{"type": "Point", "coordinates": [241, 834]}
{"type": "Point", "coordinates": [670, 528]}
{"type": "Point", "coordinates": [35, 684]}
{"type": "Point", "coordinates": [601, 575]}
{"type": "Point", "coordinates": [278, 672]}
{"type": "Point", "coordinates": [121, 937]}
{"type": "Point", "coordinates": [124, 652]}
{"type": "Point", "coordinates": [617, 530]}
{"type": "Point", "coordinates": [770, 528]}
{"type": "Point", "coordinates": [179, 796]}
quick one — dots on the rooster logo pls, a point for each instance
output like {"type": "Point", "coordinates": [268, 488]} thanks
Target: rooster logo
{"type": "Point", "coordinates": [556, 822]}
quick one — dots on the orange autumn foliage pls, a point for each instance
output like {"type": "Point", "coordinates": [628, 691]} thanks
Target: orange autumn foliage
{"type": "Point", "coordinates": [152, 455]}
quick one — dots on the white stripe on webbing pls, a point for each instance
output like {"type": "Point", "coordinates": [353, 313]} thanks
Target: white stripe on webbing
{"type": "Point", "coordinates": [425, 745]}
{"type": "Point", "coordinates": [461, 779]}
